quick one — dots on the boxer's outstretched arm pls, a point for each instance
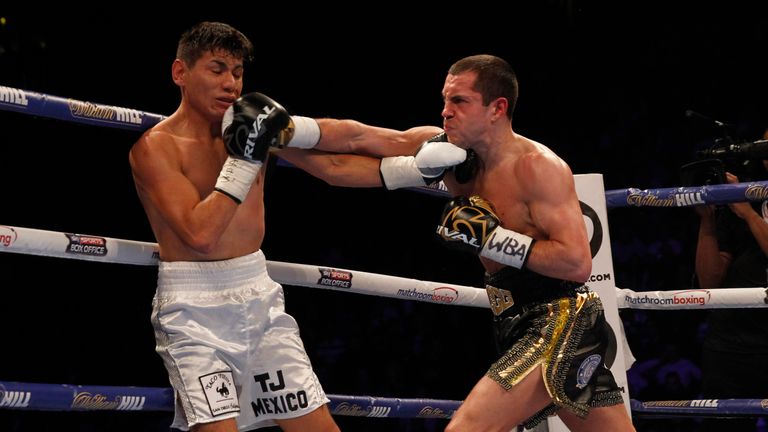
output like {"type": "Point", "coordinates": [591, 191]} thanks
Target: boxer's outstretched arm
{"type": "Point", "coordinates": [337, 169]}
{"type": "Point", "coordinates": [350, 136]}
{"type": "Point", "coordinates": [431, 161]}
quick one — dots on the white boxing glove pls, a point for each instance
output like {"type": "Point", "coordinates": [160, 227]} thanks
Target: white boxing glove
{"type": "Point", "coordinates": [426, 167]}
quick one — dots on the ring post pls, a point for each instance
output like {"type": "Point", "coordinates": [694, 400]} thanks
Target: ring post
{"type": "Point", "coordinates": [591, 192]}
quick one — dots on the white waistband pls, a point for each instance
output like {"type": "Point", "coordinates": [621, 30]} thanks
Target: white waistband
{"type": "Point", "coordinates": [199, 274]}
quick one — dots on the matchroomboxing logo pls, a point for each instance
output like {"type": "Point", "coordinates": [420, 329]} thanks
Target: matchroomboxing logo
{"type": "Point", "coordinates": [12, 96]}
{"type": "Point", "coordinates": [8, 236]}
{"type": "Point", "coordinates": [688, 297]}
{"type": "Point", "coordinates": [335, 278]}
{"type": "Point", "coordinates": [86, 245]}
{"type": "Point", "coordinates": [444, 295]}
{"type": "Point", "coordinates": [699, 297]}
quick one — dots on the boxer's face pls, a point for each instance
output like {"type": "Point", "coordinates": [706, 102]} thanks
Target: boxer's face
{"type": "Point", "coordinates": [464, 115]}
{"type": "Point", "coordinates": [214, 82]}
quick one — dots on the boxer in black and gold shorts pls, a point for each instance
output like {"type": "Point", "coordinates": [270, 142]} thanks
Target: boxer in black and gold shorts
{"type": "Point", "coordinates": [559, 325]}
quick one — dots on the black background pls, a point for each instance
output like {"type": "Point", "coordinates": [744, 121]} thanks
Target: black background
{"type": "Point", "coordinates": [605, 86]}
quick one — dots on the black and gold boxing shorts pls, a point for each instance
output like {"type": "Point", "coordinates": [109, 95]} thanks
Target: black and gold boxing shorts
{"type": "Point", "coordinates": [571, 340]}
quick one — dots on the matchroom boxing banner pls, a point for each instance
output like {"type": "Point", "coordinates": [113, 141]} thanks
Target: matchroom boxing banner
{"type": "Point", "coordinates": [591, 192]}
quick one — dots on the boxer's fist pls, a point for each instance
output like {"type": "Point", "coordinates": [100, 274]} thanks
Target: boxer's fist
{"type": "Point", "coordinates": [471, 225]}
{"type": "Point", "coordinates": [252, 125]}
{"type": "Point", "coordinates": [426, 167]}
{"type": "Point", "coordinates": [436, 155]}
{"type": "Point", "coordinates": [467, 223]}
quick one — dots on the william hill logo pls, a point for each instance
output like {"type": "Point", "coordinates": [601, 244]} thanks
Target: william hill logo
{"type": "Point", "coordinates": [12, 96]}
{"type": "Point", "coordinates": [756, 193]}
{"type": "Point", "coordinates": [688, 199]}
{"type": "Point", "coordinates": [102, 112]}
{"type": "Point", "coordinates": [353, 409]}
{"type": "Point", "coordinates": [14, 399]}
{"type": "Point", "coordinates": [642, 200]}
{"type": "Point", "coordinates": [96, 401]}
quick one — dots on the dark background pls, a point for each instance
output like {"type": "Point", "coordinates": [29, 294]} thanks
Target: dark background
{"type": "Point", "coordinates": [606, 86]}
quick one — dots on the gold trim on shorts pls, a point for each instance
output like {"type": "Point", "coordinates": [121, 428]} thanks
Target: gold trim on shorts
{"type": "Point", "coordinates": [550, 341]}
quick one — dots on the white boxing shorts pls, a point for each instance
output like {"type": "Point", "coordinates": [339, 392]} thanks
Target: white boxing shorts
{"type": "Point", "coordinates": [228, 345]}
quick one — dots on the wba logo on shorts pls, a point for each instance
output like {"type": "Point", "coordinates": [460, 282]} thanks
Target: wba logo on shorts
{"type": "Point", "coordinates": [220, 392]}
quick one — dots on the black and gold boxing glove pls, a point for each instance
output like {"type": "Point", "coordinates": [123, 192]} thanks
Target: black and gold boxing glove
{"type": "Point", "coordinates": [471, 225]}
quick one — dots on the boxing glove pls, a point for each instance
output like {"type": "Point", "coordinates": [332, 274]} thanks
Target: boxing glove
{"type": "Point", "coordinates": [250, 126]}
{"type": "Point", "coordinates": [471, 225]}
{"type": "Point", "coordinates": [426, 167]}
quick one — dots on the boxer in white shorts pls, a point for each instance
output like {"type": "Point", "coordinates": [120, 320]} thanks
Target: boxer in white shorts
{"type": "Point", "coordinates": [233, 356]}
{"type": "Point", "coordinates": [229, 346]}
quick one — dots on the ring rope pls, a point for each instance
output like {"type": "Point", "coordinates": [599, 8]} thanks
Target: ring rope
{"type": "Point", "coordinates": [106, 249]}
{"type": "Point", "coordinates": [73, 110]}
{"type": "Point", "coordinates": [693, 299]}
{"type": "Point", "coordinates": [701, 408]}
{"type": "Point", "coordinates": [687, 196]}
{"type": "Point", "coordinates": [68, 397]}
{"type": "Point", "coordinates": [76, 111]}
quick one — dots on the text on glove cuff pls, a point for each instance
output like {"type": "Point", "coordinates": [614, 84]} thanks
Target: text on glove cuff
{"type": "Point", "coordinates": [508, 247]}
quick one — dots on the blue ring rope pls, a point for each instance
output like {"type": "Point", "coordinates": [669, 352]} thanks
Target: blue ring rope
{"type": "Point", "coordinates": [72, 110]}
{"type": "Point", "coordinates": [76, 111]}
{"type": "Point", "coordinates": [67, 397]}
